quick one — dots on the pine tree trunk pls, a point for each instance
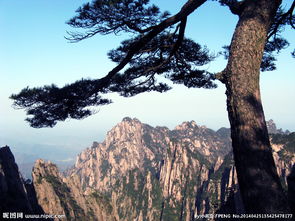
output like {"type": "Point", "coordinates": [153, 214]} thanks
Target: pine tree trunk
{"type": "Point", "coordinates": [259, 182]}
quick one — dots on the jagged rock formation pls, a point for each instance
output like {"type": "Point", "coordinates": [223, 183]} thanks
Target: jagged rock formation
{"type": "Point", "coordinates": [272, 128]}
{"type": "Point", "coordinates": [15, 194]}
{"type": "Point", "coordinates": [60, 195]}
{"type": "Point", "coordinates": [144, 173]}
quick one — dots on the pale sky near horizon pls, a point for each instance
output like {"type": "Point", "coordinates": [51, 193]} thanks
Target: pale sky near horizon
{"type": "Point", "coordinates": [34, 52]}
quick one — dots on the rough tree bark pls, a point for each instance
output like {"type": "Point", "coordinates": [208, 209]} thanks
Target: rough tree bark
{"type": "Point", "coordinates": [259, 182]}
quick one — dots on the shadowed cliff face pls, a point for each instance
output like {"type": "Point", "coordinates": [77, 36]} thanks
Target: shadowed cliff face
{"type": "Point", "coordinates": [144, 173]}
{"type": "Point", "coordinates": [15, 194]}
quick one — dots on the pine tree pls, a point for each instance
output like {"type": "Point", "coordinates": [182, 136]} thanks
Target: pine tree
{"type": "Point", "coordinates": [160, 49]}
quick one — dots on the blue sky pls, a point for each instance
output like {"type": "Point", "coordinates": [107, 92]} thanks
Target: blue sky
{"type": "Point", "coordinates": [34, 52]}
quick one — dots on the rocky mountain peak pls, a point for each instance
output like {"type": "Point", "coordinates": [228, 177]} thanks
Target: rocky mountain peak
{"type": "Point", "coordinates": [272, 128]}
{"type": "Point", "coordinates": [43, 168]}
{"type": "Point", "coordinates": [127, 129]}
{"type": "Point", "coordinates": [6, 154]}
{"type": "Point", "coordinates": [129, 119]}
{"type": "Point", "coordinates": [186, 125]}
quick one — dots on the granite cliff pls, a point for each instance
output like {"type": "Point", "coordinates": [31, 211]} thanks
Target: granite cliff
{"type": "Point", "coordinates": [141, 173]}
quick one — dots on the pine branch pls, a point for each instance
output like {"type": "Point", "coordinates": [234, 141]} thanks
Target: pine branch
{"type": "Point", "coordinates": [283, 19]}
{"type": "Point", "coordinates": [50, 104]}
{"type": "Point", "coordinates": [187, 9]}
{"type": "Point", "coordinates": [236, 7]}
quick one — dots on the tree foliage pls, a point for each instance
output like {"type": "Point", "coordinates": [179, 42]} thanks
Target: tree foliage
{"type": "Point", "coordinates": [114, 16]}
{"type": "Point", "coordinates": [159, 50]}
{"type": "Point", "coordinates": [50, 104]}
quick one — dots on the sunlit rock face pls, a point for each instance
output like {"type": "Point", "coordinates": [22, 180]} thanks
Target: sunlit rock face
{"type": "Point", "coordinates": [142, 173]}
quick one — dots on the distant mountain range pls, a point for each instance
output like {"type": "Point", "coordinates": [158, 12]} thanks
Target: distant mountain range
{"type": "Point", "coordinates": [141, 173]}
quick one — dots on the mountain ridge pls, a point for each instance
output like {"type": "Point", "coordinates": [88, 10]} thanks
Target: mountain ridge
{"type": "Point", "coordinates": [152, 173]}
{"type": "Point", "coordinates": [140, 172]}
